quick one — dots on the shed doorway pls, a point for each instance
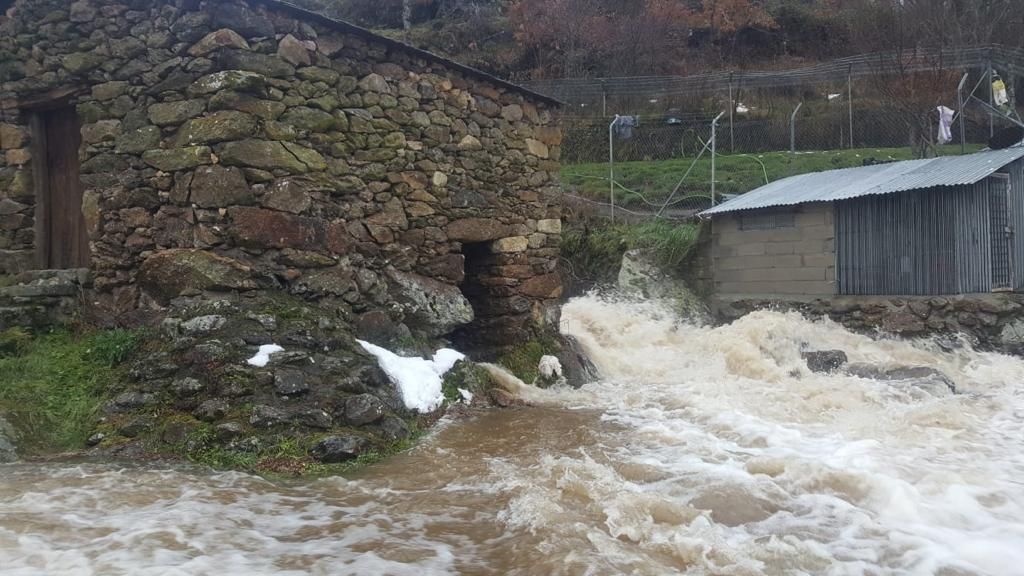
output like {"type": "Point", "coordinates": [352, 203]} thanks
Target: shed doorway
{"type": "Point", "coordinates": [477, 267]}
{"type": "Point", "coordinates": [1001, 233]}
{"type": "Point", "coordinates": [61, 238]}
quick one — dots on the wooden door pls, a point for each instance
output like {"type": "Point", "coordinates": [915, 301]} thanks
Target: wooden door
{"type": "Point", "coordinates": [61, 234]}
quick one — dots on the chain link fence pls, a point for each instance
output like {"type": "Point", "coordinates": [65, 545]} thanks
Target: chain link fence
{"type": "Point", "coordinates": [774, 124]}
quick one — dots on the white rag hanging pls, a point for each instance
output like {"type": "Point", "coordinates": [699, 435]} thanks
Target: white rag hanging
{"type": "Point", "coordinates": [999, 96]}
{"type": "Point", "coordinates": [945, 125]}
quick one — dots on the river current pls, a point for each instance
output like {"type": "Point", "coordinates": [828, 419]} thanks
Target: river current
{"type": "Point", "coordinates": [700, 451]}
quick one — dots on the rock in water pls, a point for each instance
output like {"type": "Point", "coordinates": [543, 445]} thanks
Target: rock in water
{"type": "Point", "coordinates": [334, 449]}
{"type": "Point", "coordinates": [7, 450]}
{"type": "Point", "coordinates": [639, 276]}
{"type": "Point", "coordinates": [824, 361]}
{"type": "Point", "coordinates": [432, 307]}
{"type": "Point", "coordinates": [925, 378]}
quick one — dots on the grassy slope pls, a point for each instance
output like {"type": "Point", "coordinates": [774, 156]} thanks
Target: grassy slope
{"type": "Point", "coordinates": [52, 386]}
{"type": "Point", "coordinates": [735, 174]}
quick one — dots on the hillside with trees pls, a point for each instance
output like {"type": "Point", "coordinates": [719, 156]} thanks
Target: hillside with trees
{"type": "Point", "coordinates": [534, 39]}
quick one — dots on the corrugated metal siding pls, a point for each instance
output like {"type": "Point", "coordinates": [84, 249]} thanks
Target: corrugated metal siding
{"type": "Point", "coordinates": [926, 243]}
{"type": "Point", "coordinates": [1016, 203]}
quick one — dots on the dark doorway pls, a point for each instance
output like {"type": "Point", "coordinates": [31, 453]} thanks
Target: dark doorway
{"type": "Point", "coordinates": [479, 261]}
{"type": "Point", "coordinates": [61, 239]}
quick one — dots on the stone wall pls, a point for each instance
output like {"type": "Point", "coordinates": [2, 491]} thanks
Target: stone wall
{"type": "Point", "coordinates": [795, 260]}
{"type": "Point", "coordinates": [42, 298]}
{"type": "Point", "coordinates": [232, 145]}
{"type": "Point", "coordinates": [994, 321]}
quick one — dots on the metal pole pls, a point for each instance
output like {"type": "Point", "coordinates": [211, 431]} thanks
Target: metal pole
{"type": "Point", "coordinates": [960, 112]}
{"type": "Point", "coordinates": [732, 109]}
{"type": "Point", "coordinates": [611, 164]}
{"type": "Point", "coordinates": [849, 98]}
{"type": "Point", "coordinates": [792, 128]}
{"type": "Point", "coordinates": [991, 102]}
{"type": "Point", "coordinates": [604, 99]}
{"type": "Point", "coordinates": [714, 141]}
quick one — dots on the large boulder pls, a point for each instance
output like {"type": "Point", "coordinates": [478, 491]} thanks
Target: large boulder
{"type": "Point", "coordinates": [171, 273]}
{"type": "Point", "coordinates": [926, 378]}
{"type": "Point", "coordinates": [335, 449]}
{"type": "Point", "coordinates": [431, 307]}
{"type": "Point", "coordinates": [824, 361]}
{"type": "Point", "coordinates": [640, 277]}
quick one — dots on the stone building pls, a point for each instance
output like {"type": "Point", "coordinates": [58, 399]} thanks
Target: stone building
{"type": "Point", "coordinates": [176, 147]}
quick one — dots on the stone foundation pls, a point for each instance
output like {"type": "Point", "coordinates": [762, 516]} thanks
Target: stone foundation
{"type": "Point", "coordinates": [995, 321]}
{"type": "Point", "coordinates": [42, 298]}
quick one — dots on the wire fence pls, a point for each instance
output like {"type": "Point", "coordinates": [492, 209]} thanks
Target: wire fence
{"type": "Point", "coordinates": [775, 124]}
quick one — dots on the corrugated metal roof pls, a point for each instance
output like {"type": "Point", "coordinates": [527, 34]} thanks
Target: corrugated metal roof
{"type": "Point", "coordinates": [847, 183]}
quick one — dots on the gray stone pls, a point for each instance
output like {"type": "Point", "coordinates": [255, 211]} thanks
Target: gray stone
{"type": "Point", "coordinates": [394, 428]}
{"type": "Point", "coordinates": [335, 449]}
{"type": "Point", "coordinates": [287, 195]}
{"type": "Point", "coordinates": [270, 155]}
{"type": "Point", "coordinates": [237, 80]}
{"type": "Point", "coordinates": [95, 439]}
{"type": "Point", "coordinates": [127, 401]}
{"type": "Point", "coordinates": [375, 83]}
{"type": "Point", "coordinates": [211, 410]}
{"type": "Point", "coordinates": [290, 382]}
{"type": "Point", "coordinates": [432, 307]}
{"type": "Point", "coordinates": [824, 361]}
{"type": "Point", "coordinates": [292, 50]}
{"type": "Point", "coordinates": [267, 65]}
{"type": "Point", "coordinates": [136, 426]}
{"type": "Point", "coordinates": [138, 141]}
{"type": "Point", "coordinates": [174, 113]}
{"type": "Point", "coordinates": [310, 119]}
{"type": "Point", "coordinates": [217, 127]}
{"type": "Point", "coordinates": [223, 38]}
{"type": "Point", "coordinates": [228, 431]}
{"type": "Point", "coordinates": [175, 159]}
{"type": "Point", "coordinates": [8, 451]}
{"type": "Point", "coordinates": [170, 273]}
{"type": "Point", "coordinates": [203, 325]}
{"type": "Point", "coordinates": [243, 19]}
{"type": "Point", "coordinates": [313, 418]}
{"type": "Point", "coordinates": [259, 107]}
{"type": "Point", "coordinates": [187, 387]}
{"type": "Point", "coordinates": [362, 409]}
{"type": "Point", "coordinates": [263, 416]}
{"type": "Point", "coordinates": [220, 187]}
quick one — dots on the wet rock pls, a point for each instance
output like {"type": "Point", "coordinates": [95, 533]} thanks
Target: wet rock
{"type": "Point", "coordinates": [640, 276]}
{"type": "Point", "coordinates": [394, 428]}
{"type": "Point", "coordinates": [137, 426]}
{"type": "Point", "coordinates": [263, 416]}
{"type": "Point", "coordinates": [95, 439]}
{"type": "Point", "coordinates": [211, 410]}
{"type": "Point", "coordinates": [502, 398]}
{"type": "Point", "coordinates": [8, 452]}
{"type": "Point", "coordinates": [431, 307]}
{"type": "Point", "coordinates": [290, 382]}
{"type": "Point", "coordinates": [362, 409]}
{"type": "Point", "coordinates": [313, 418]}
{"type": "Point", "coordinates": [127, 401]}
{"type": "Point", "coordinates": [924, 377]}
{"type": "Point", "coordinates": [228, 431]}
{"type": "Point", "coordinates": [186, 387]}
{"type": "Point", "coordinates": [578, 368]}
{"type": "Point", "coordinates": [335, 449]}
{"type": "Point", "coordinates": [203, 325]}
{"type": "Point", "coordinates": [824, 361]}
{"type": "Point", "coordinates": [177, 432]}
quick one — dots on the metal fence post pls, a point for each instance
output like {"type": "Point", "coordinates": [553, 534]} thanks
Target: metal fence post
{"type": "Point", "coordinates": [792, 128]}
{"type": "Point", "coordinates": [849, 98]}
{"type": "Point", "coordinates": [960, 112]}
{"type": "Point", "coordinates": [714, 142]}
{"type": "Point", "coordinates": [732, 110]}
{"type": "Point", "coordinates": [991, 102]}
{"type": "Point", "coordinates": [611, 164]}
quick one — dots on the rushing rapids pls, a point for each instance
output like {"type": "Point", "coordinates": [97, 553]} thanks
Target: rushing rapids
{"type": "Point", "coordinates": [701, 451]}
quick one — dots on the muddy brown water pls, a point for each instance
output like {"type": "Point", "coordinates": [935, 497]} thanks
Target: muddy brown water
{"type": "Point", "coordinates": [701, 451]}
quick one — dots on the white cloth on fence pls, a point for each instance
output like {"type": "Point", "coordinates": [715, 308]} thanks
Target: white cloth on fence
{"type": "Point", "coordinates": [945, 125]}
{"type": "Point", "coordinates": [624, 126]}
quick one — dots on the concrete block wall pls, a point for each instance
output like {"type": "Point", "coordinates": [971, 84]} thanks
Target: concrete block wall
{"type": "Point", "coordinates": [797, 260]}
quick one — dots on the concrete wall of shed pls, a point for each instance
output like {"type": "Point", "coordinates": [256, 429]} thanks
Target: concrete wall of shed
{"type": "Point", "coordinates": [798, 260]}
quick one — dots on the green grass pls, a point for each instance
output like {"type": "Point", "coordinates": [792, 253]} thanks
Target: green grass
{"type": "Point", "coordinates": [735, 174]}
{"type": "Point", "coordinates": [523, 360]}
{"type": "Point", "coordinates": [52, 386]}
{"type": "Point", "coordinates": [594, 253]}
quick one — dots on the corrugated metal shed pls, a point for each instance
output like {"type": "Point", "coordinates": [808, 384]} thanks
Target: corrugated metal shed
{"type": "Point", "coordinates": [847, 183]}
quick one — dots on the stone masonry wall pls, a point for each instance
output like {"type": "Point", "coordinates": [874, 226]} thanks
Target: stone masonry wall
{"type": "Point", "coordinates": [230, 145]}
{"type": "Point", "coordinates": [798, 260]}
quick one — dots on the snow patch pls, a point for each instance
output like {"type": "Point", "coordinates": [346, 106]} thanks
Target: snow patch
{"type": "Point", "coordinates": [467, 396]}
{"type": "Point", "coordinates": [263, 356]}
{"type": "Point", "coordinates": [418, 379]}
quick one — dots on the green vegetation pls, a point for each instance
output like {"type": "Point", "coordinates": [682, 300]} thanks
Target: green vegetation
{"type": "Point", "coordinates": [735, 174]}
{"type": "Point", "coordinates": [522, 360]}
{"type": "Point", "coordinates": [52, 386]}
{"type": "Point", "coordinates": [287, 456]}
{"type": "Point", "coordinates": [468, 376]}
{"type": "Point", "coordinates": [594, 252]}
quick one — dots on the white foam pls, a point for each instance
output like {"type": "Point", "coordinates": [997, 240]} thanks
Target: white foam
{"type": "Point", "coordinates": [550, 367]}
{"type": "Point", "coordinates": [418, 380]}
{"type": "Point", "coordinates": [262, 357]}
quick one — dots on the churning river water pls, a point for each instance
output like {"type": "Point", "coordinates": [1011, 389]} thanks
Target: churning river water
{"type": "Point", "coordinates": [701, 451]}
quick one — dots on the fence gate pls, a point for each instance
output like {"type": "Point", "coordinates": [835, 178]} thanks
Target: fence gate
{"type": "Point", "coordinates": [1002, 232]}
